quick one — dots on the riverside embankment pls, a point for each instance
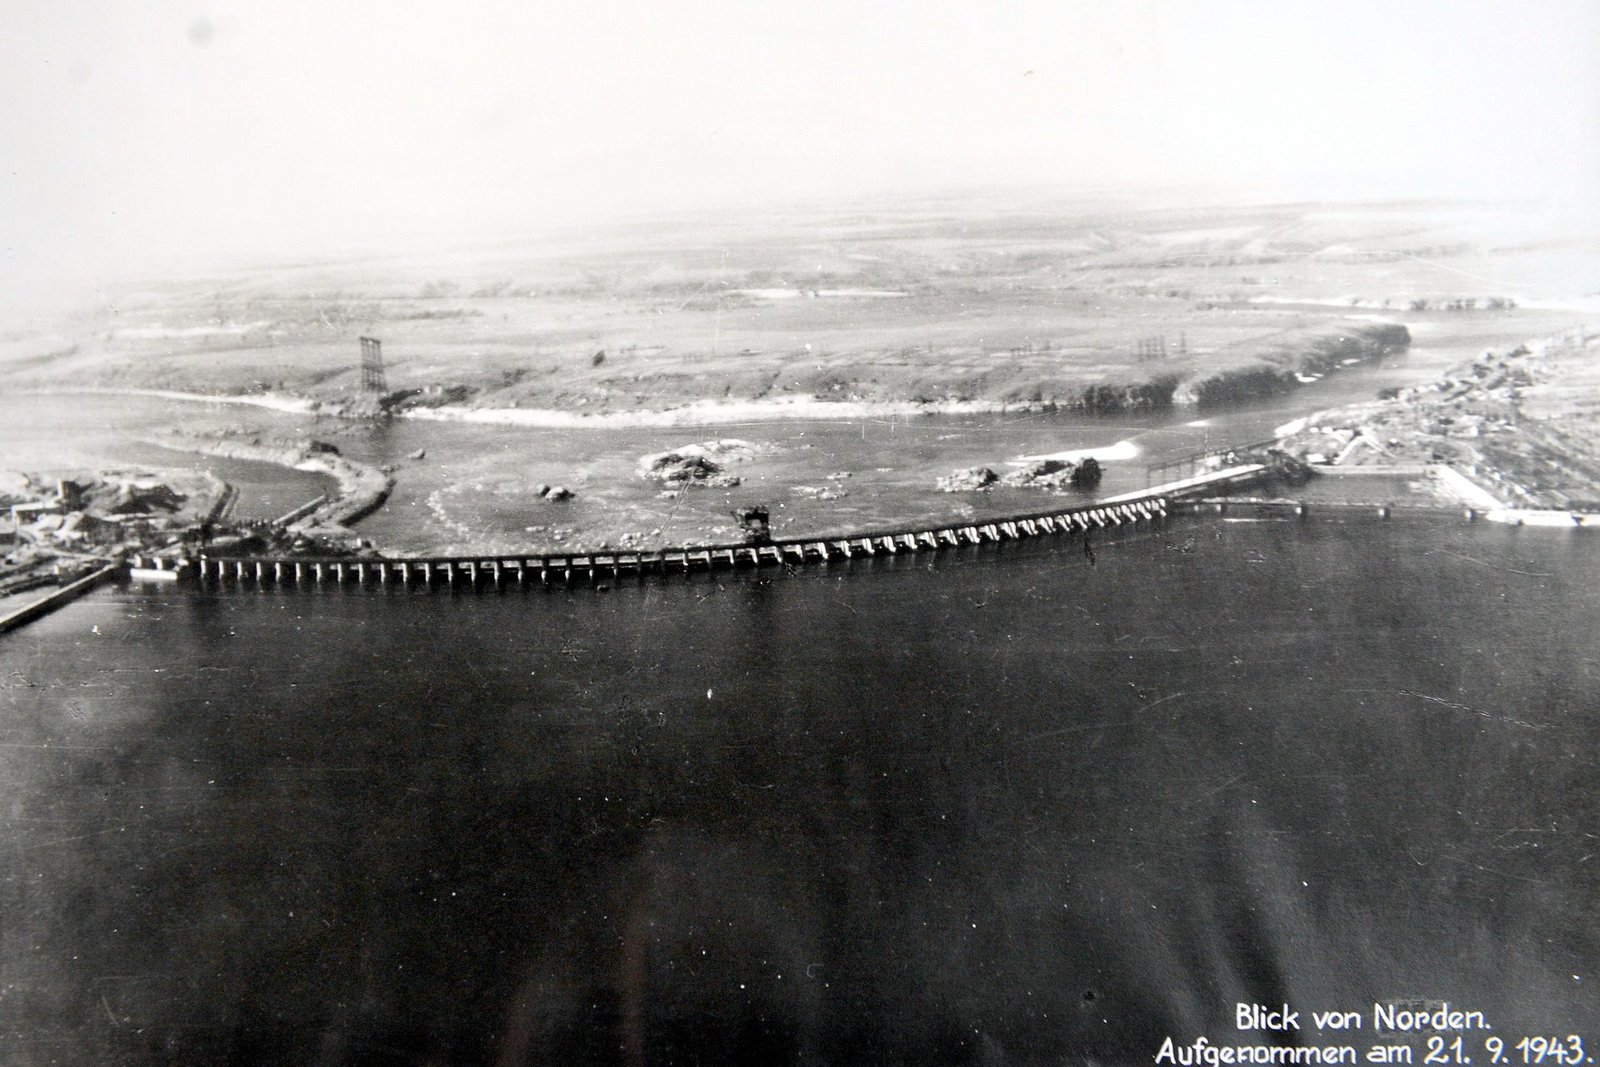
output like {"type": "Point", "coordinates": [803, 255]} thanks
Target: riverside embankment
{"type": "Point", "coordinates": [35, 609]}
{"type": "Point", "coordinates": [362, 488]}
{"type": "Point", "coordinates": [1516, 428]}
{"type": "Point", "coordinates": [1252, 370]}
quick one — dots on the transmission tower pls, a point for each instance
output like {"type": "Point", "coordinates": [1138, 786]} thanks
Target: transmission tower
{"type": "Point", "coordinates": [372, 379]}
{"type": "Point", "coordinates": [1151, 347]}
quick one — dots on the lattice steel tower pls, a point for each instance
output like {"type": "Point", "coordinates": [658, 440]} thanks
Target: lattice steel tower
{"type": "Point", "coordinates": [372, 379]}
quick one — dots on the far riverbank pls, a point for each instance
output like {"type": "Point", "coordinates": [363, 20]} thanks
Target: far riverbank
{"type": "Point", "coordinates": [457, 479]}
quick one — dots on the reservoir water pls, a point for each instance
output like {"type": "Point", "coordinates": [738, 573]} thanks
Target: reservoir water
{"type": "Point", "coordinates": [1018, 804]}
{"type": "Point", "coordinates": [1001, 806]}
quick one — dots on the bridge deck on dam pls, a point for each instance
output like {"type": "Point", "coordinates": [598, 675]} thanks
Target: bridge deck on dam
{"type": "Point", "coordinates": [496, 570]}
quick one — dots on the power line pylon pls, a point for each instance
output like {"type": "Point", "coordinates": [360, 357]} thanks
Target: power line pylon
{"type": "Point", "coordinates": [372, 377]}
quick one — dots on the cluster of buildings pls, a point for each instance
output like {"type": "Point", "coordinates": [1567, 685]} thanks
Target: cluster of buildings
{"type": "Point", "coordinates": [46, 526]}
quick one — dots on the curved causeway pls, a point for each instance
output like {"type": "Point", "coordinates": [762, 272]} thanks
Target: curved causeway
{"type": "Point", "coordinates": [499, 570]}
{"type": "Point", "coordinates": [496, 571]}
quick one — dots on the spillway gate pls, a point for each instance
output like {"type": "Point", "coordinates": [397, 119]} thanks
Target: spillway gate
{"type": "Point", "coordinates": [496, 571]}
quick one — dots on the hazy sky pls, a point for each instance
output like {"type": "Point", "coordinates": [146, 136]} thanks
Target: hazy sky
{"type": "Point", "coordinates": [153, 131]}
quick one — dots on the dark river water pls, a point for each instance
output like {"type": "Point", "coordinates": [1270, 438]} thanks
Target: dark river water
{"type": "Point", "coordinates": [1000, 806]}
{"type": "Point", "coordinates": [1011, 805]}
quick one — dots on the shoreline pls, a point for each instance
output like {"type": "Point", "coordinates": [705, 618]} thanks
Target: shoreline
{"type": "Point", "coordinates": [1464, 492]}
{"type": "Point", "coordinates": [360, 489]}
{"type": "Point", "coordinates": [723, 412]}
{"type": "Point", "coordinates": [698, 413]}
{"type": "Point", "coordinates": [1466, 428]}
{"type": "Point", "coordinates": [1272, 369]}
{"type": "Point", "coordinates": [288, 405]}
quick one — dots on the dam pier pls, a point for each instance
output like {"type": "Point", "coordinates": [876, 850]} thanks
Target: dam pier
{"type": "Point", "coordinates": [1202, 493]}
{"type": "Point", "coordinates": [498, 571]}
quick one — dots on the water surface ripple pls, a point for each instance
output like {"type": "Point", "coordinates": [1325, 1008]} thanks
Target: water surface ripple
{"type": "Point", "coordinates": [1002, 805]}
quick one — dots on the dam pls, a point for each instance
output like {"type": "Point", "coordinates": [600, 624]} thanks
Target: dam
{"type": "Point", "coordinates": [497, 571]}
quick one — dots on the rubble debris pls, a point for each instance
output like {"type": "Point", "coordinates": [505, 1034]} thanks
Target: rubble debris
{"type": "Point", "coordinates": [755, 522]}
{"type": "Point", "coordinates": [968, 479]}
{"type": "Point", "coordinates": [702, 464]}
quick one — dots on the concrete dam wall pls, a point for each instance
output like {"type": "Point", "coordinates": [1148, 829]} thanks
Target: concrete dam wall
{"type": "Point", "coordinates": [495, 571]}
